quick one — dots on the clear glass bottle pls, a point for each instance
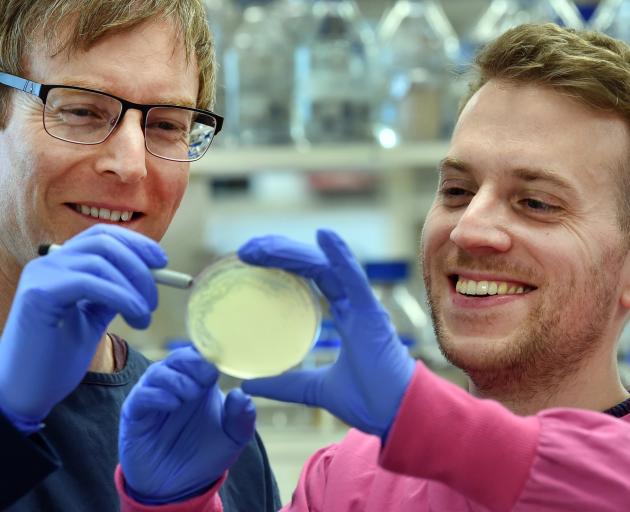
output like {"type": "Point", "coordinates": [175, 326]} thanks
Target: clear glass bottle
{"type": "Point", "coordinates": [613, 18]}
{"type": "Point", "coordinates": [418, 49]}
{"type": "Point", "coordinates": [389, 282]}
{"type": "Point", "coordinates": [223, 17]}
{"type": "Point", "coordinates": [504, 14]}
{"type": "Point", "coordinates": [295, 15]}
{"type": "Point", "coordinates": [333, 81]}
{"type": "Point", "coordinates": [623, 355]}
{"type": "Point", "coordinates": [258, 64]}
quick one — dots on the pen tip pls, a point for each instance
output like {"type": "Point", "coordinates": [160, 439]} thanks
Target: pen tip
{"type": "Point", "coordinates": [43, 249]}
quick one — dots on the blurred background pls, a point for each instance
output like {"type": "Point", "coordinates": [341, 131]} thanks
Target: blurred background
{"type": "Point", "coordinates": [337, 113]}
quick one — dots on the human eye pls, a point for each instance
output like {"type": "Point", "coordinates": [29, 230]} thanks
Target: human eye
{"type": "Point", "coordinates": [81, 114]}
{"type": "Point", "coordinates": [169, 124]}
{"type": "Point", "coordinates": [454, 193]}
{"type": "Point", "coordinates": [538, 207]}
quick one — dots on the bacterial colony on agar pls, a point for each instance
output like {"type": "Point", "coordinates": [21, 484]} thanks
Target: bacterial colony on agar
{"type": "Point", "coordinates": [252, 321]}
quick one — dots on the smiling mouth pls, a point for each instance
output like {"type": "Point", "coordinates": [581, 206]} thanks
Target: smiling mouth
{"type": "Point", "coordinates": [470, 287]}
{"type": "Point", "coordinates": [120, 216]}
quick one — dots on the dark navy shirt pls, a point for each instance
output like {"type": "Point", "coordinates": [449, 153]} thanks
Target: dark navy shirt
{"type": "Point", "coordinates": [79, 447]}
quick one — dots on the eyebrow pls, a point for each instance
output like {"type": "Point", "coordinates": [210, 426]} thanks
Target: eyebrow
{"type": "Point", "coordinates": [166, 100]}
{"type": "Point", "coordinates": [525, 174]}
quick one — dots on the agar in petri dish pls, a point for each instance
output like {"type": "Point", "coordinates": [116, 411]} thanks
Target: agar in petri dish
{"type": "Point", "coordinates": [252, 321]}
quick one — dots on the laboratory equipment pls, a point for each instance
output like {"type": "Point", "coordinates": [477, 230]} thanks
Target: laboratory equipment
{"type": "Point", "coordinates": [504, 14]}
{"type": "Point", "coordinates": [223, 18]}
{"type": "Point", "coordinates": [333, 76]}
{"type": "Point", "coordinates": [252, 321]}
{"type": "Point", "coordinates": [417, 64]}
{"type": "Point", "coordinates": [258, 66]}
{"type": "Point", "coordinates": [388, 279]}
{"type": "Point", "coordinates": [613, 18]}
{"type": "Point", "coordinates": [295, 16]}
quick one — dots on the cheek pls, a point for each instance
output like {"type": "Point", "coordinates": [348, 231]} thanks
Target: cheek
{"type": "Point", "coordinates": [167, 198]}
{"type": "Point", "coordinates": [18, 176]}
{"type": "Point", "coordinates": [435, 233]}
{"type": "Point", "coordinates": [176, 188]}
{"type": "Point", "coordinates": [566, 258]}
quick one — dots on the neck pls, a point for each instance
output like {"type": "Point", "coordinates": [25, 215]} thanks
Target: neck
{"type": "Point", "coordinates": [596, 386]}
{"type": "Point", "coordinates": [10, 271]}
{"type": "Point", "coordinates": [103, 360]}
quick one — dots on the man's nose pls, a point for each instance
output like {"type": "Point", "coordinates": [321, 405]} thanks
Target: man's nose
{"type": "Point", "coordinates": [483, 226]}
{"type": "Point", "coordinates": [125, 153]}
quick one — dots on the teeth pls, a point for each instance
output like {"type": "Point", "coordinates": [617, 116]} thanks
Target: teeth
{"type": "Point", "coordinates": [104, 213]}
{"type": "Point", "coordinates": [470, 287]}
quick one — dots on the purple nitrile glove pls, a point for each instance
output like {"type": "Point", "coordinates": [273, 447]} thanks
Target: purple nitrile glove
{"type": "Point", "coordinates": [61, 309]}
{"type": "Point", "coordinates": [365, 385]}
{"type": "Point", "coordinates": [178, 432]}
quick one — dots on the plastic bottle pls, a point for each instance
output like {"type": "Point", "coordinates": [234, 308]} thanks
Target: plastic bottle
{"type": "Point", "coordinates": [418, 50]}
{"type": "Point", "coordinates": [333, 81]}
{"type": "Point", "coordinates": [504, 14]}
{"type": "Point", "coordinates": [326, 348]}
{"type": "Point", "coordinates": [587, 8]}
{"type": "Point", "coordinates": [295, 16]}
{"type": "Point", "coordinates": [613, 18]}
{"type": "Point", "coordinates": [258, 64]}
{"type": "Point", "coordinates": [623, 355]}
{"type": "Point", "coordinates": [223, 17]}
{"type": "Point", "coordinates": [389, 282]}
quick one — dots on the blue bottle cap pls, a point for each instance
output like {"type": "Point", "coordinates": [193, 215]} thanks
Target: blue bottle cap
{"type": "Point", "coordinates": [395, 270]}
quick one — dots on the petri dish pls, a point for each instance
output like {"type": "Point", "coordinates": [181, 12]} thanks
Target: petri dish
{"type": "Point", "coordinates": [252, 321]}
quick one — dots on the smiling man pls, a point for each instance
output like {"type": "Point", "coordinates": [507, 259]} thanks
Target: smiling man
{"type": "Point", "coordinates": [526, 260]}
{"type": "Point", "coordinates": [103, 105]}
{"type": "Point", "coordinates": [525, 254]}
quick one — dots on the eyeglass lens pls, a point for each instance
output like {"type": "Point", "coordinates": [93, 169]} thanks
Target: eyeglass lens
{"type": "Point", "coordinates": [83, 117]}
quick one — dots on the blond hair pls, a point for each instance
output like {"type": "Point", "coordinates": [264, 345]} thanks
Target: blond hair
{"type": "Point", "coordinates": [587, 66]}
{"type": "Point", "coordinates": [27, 25]}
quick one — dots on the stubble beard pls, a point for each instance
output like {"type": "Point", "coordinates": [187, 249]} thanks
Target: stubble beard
{"type": "Point", "coordinates": [555, 340]}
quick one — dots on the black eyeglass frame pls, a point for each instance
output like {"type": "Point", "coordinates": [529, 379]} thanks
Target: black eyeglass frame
{"type": "Point", "coordinates": [41, 91]}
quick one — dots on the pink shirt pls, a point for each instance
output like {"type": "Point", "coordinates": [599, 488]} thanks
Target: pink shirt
{"type": "Point", "coordinates": [449, 452]}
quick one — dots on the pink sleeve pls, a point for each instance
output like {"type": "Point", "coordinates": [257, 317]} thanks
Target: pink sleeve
{"type": "Point", "coordinates": [582, 463]}
{"type": "Point", "coordinates": [207, 502]}
{"type": "Point", "coordinates": [443, 433]}
{"type": "Point", "coordinates": [560, 459]}
{"type": "Point", "coordinates": [309, 493]}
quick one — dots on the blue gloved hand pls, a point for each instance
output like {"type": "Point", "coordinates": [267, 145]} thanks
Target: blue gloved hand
{"type": "Point", "coordinates": [62, 307]}
{"type": "Point", "coordinates": [365, 385]}
{"type": "Point", "coordinates": [178, 432]}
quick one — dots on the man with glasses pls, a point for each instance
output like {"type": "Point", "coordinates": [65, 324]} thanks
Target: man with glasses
{"type": "Point", "coordinates": [103, 105]}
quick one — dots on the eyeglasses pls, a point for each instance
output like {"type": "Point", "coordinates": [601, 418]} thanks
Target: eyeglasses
{"type": "Point", "coordinates": [84, 116]}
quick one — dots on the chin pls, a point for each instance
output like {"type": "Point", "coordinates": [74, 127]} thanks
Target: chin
{"type": "Point", "coordinates": [474, 352]}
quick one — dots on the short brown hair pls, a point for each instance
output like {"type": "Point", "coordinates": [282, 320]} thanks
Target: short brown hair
{"type": "Point", "coordinates": [83, 23]}
{"type": "Point", "coordinates": [587, 66]}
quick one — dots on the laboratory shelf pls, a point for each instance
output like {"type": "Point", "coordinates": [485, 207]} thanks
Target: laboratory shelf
{"type": "Point", "coordinates": [225, 161]}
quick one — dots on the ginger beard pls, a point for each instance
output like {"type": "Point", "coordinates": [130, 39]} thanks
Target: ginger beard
{"type": "Point", "coordinates": [558, 335]}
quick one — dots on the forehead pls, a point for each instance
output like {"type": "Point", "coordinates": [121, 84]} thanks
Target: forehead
{"type": "Point", "coordinates": [145, 64]}
{"type": "Point", "coordinates": [506, 126]}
